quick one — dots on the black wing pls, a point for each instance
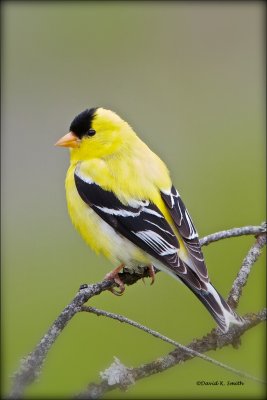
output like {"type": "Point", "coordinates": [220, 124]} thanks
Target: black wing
{"type": "Point", "coordinates": [139, 221]}
{"type": "Point", "coordinates": [186, 228]}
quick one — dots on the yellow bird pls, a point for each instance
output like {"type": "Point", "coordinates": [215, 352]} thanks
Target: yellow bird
{"type": "Point", "coordinates": [121, 199]}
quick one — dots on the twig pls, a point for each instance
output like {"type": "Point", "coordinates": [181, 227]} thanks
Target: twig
{"type": "Point", "coordinates": [31, 365]}
{"type": "Point", "coordinates": [211, 341]}
{"type": "Point", "coordinates": [244, 230]}
{"type": "Point", "coordinates": [244, 271]}
{"type": "Point", "coordinates": [158, 335]}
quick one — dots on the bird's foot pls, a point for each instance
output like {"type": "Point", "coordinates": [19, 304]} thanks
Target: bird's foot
{"type": "Point", "coordinates": [114, 275]}
{"type": "Point", "coordinates": [151, 273]}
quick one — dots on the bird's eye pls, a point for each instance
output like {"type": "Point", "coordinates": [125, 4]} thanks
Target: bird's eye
{"type": "Point", "coordinates": [91, 132]}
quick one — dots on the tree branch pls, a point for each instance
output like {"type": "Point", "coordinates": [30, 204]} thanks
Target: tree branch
{"type": "Point", "coordinates": [31, 365]}
{"type": "Point", "coordinates": [244, 230]}
{"type": "Point", "coordinates": [211, 341]}
{"type": "Point", "coordinates": [186, 349]}
{"type": "Point", "coordinates": [243, 274]}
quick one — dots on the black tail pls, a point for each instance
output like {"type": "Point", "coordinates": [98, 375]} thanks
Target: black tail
{"type": "Point", "coordinates": [215, 304]}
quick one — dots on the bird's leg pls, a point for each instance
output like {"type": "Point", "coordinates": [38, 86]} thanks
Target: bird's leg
{"type": "Point", "coordinates": [113, 275]}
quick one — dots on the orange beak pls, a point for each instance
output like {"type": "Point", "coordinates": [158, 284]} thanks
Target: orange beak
{"type": "Point", "coordinates": [69, 140]}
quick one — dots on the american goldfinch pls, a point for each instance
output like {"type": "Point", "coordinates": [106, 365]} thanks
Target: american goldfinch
{"type": "Point", "coordinates": [121, 199]}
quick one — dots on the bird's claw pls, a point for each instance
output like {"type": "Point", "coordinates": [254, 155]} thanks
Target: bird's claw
{"type": "Point", "coordinates": [114, 275]}
{"type": "Point", "coordinates": [151, 274]}
{"type": "Point", "coordinates": [121, 285]}
{"type": "Point", "coordinates": [117, 292]}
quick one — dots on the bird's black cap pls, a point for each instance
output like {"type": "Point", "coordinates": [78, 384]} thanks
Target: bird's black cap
{"type": "Point", "coordinates": [83, 122]}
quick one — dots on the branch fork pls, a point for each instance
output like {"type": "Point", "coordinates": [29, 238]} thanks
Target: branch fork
{"type": "Point", "coordinates": [120, 376]}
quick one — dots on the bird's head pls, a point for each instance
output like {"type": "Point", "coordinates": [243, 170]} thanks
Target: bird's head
{"type": "Point", "coordinates": [95, 133]}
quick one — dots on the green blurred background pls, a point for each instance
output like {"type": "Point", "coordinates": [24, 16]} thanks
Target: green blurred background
{"type": "Point", "coordinates": [189, 77]}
